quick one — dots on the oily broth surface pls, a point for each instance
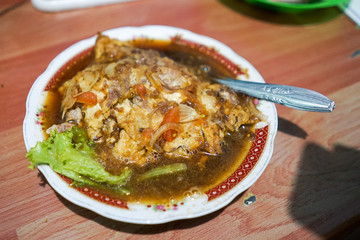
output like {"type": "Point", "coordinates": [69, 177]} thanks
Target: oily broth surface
{"type": "Point", "coordinates": [203, 171]}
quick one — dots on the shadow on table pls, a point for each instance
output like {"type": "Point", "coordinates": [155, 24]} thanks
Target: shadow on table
{"type": "Point", "coordinates": [302, 18]}
{"type": "Point", "coordinates": [327, 185]}
{"type": "Point", "coordinates": [142, 229]}
{"type": "Point", "coordinates": [291, 128]}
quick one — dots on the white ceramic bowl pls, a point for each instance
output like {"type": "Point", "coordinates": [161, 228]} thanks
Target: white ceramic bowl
{"type": "Point", "coordinates": [197, 205]}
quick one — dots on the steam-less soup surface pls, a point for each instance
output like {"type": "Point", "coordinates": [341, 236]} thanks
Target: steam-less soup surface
{"type": "Point", "coordinates": [148, 107]}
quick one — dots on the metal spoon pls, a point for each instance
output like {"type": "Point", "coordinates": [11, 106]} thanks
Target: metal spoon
{"type": "Point", "coordinates": [294, 97]}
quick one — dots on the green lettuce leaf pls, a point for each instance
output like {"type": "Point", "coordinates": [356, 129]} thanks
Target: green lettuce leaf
{"type": "Point", "coordinates": [70, 154]}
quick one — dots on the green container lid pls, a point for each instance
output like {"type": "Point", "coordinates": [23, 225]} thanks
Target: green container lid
{"type": "Point", "coordinates": [297, 7]}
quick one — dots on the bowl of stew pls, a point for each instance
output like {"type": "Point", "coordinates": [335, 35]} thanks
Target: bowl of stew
{"type": "Point", "coordinates": [129, 125]}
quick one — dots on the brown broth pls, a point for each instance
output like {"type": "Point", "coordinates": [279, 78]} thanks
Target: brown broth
{"type": "Point", "coordinates": [203, 171]}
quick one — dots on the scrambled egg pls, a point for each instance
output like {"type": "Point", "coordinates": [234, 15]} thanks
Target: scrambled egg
{"type": "Point", "coordinates": [125, 98]}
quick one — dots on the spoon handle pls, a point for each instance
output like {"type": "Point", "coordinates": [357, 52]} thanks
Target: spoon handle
{"type": "Point", "coordinates": [294, 97]}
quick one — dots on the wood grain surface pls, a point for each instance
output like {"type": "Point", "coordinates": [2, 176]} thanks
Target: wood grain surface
{"type": "Point", "coordinates": [310, 189]}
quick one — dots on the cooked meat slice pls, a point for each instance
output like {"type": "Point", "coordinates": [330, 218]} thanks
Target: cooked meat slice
{"type": "Point", "coordinates": [173, 78]}
{"type": "Point", "coordinates": [111, 131]}
{"type": "Point", "coordinates": [122, 110]}
{"type": "Point", "coordinates": [107, 50]}
{"type": "Point", "coordinates": [74, 115]}
{"type": "Point", "coordinates": [93, 118]}
{"type": "Point", "coordinates": [213, 138]}
{"type": "Point", "coordinates": [129, 150]}
{"type": "Point", "coordinates": [115, 91]}
{"type": "Point", "coordinates": [229, 94]}
{"type": "Point", "coordinates": [60, 127]}
{"type": "Point", "coordinates": [136, 120]}
{"type": "Point", "coordinates": [145, 57]}
{"type": "Point", "coordinates": [209, 101]}
{"type": "Point", "coordinates": [187, 141]}
{"type": "Point", "coordinates": [238, 116]}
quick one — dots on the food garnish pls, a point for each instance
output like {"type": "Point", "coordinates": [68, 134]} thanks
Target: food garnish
{"type": "Point", "coordinates": [69, 153]}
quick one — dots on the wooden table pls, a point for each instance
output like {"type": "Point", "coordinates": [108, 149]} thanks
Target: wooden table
{"type": "Point", "coordinates": [310, 189]}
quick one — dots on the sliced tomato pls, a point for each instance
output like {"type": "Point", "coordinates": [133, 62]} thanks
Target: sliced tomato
{"type": "Point", "coordinates": [141, 90]}
{"type": "Point", "coordinates": [88, 98]}
{"type": "Point", "coordinates": [172, 116]}
{"type": "Point", "coordinates": [147, 134]}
